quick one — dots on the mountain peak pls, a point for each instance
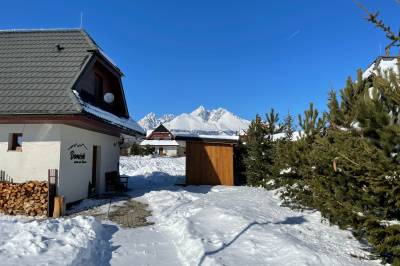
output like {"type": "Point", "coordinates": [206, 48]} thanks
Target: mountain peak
{"type": "Point", "coordinates": [151, 121]}
{"type": "Point", "coordinates": [199, 121]}
{"type": "Point", "coordinates": [201, 112]}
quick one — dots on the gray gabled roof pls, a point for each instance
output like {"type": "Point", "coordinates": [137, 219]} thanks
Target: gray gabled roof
{"type": "Point", "coordinates": [38, 69]}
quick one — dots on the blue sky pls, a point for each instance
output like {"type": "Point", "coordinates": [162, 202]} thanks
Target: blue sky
{"type": "Point", "coordinates": [246, 56]}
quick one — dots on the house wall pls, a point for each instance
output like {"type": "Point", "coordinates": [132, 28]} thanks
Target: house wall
{"type": "Point", "coordinates": [75, 174]}
{"type": "Point", "coordinates": [40, 151]}
{"type": "Point", "coordinates": [168, 150]}
{"type": "Point", "coordinates": [46, 146]}
{"type": "Point", "coordinates": [182, 148]}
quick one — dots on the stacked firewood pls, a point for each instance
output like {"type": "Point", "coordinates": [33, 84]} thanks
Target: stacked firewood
{"type": "Point", "coordinates": [28, 198]}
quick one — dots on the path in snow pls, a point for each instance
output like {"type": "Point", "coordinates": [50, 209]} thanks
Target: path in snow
{"type": "Point", "coordinates": [143, 246]}
{"type": "Point", "coordinates": [224, 225]}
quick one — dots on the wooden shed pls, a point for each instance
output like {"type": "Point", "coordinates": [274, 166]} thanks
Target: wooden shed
{"type": "Point", "coordinates": [209, 160]}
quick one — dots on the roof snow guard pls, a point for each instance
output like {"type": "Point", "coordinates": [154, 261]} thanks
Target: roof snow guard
{"type": "Point", "coordinates": [38, 69]}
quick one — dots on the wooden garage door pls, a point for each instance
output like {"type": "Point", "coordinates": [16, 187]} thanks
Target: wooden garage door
{"type": "Point", "coordinates": [209, 164]}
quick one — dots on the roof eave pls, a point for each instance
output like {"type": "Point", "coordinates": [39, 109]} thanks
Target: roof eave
{"type": "Point", "coordinates": [124, 130]}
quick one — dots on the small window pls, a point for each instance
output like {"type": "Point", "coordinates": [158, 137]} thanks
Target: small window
{"type": "Point", "coordinates": [15, 142]}
{"type": "Point", "coordinates": [98, 84]}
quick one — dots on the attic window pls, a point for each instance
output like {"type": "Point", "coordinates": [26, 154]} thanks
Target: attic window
{"type": "Point", "coordinates": [98, 84]}
{"type": "Point", "coordinates": [15, 142]}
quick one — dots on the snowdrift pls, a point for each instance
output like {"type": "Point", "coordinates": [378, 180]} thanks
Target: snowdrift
{"type": "Point", "coordinates": [75, 241]}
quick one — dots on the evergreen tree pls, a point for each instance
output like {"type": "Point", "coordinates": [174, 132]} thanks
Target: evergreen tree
{"type": "Point", "coordinates": [335, 116]}
{"type": "Point", "coordinates": [311, 123]}
{"type": "Point", "coordinates": [379, 116]}
{"type": "Point", "coordinates": [272, 123]}
{"type": "Point", "coordinates": [259, 155]}
{"type": "Point", "coordinates": [288, 127]}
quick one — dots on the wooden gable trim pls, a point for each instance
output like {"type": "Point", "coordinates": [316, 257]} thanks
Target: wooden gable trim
{"type": "Point", "coordinates": [153, 134]}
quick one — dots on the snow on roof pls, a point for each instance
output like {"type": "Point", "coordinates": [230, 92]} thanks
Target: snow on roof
{"type": "Point", "coordinates": [222, 137]}
{"type": "Point", "coordinates": [382, 63]}
{"type": "Point", "coordinates": [127, 123]}
{"type": "Point", "coordinates": [296, 135]}
{"type": "Point", "coordinates": [157, 142]}
{"type": "Point", "coordinates": [208, 136]}
{"type": "Point", "coordinates": [148, 132]}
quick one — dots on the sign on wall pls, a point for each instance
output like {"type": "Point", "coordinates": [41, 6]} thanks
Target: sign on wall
{"type": "Point", "coordinates": [77, 153]}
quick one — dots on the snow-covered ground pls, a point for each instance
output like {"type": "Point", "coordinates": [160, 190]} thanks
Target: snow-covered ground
{"type": "Point", "coordinates": [151, 171]}
{"type": "Point", "coordinates": [76, 241]}
{"type": "Point", "coordinates": [228, 225]}
{"type": "Point", "coordinates": [192, 226]}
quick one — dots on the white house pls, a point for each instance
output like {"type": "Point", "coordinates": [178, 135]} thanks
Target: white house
{"type": "Point", "coordinates": [382, 64]}
{"type": "Point", "coordinates": [164, 143]}
{"type": "Point", "coordinates": [62, 106]}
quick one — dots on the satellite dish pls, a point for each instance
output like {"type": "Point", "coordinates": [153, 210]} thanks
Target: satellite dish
{"type": "Point", "coordinates": [108, 97]}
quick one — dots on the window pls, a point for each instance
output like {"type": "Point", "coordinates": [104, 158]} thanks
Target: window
{"type": "Point", "coordinates": [98, 86]}
{"type": "Point", "coordinates": [15, 142]}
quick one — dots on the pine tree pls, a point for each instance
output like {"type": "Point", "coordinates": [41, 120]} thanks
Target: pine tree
{"type": "Point", "coordinates": [312, 124]}
{"type": "Point", "coordinates": [272, 123]}
{"type": "Point", "coordinates": [288, 127]}
{"type": "Point", "coordinates": [379, 115]}
{"type": "Point", "coordinates": [335, 116]}
{"type": "Point", "coordinates": [259, 155]}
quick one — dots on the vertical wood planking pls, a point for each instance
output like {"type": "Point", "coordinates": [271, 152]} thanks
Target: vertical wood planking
{"type": "Point", "coordinates": [209, 164]}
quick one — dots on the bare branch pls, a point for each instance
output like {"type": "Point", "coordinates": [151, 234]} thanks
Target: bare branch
{"type": "Point", "coordinates": [373, 18]}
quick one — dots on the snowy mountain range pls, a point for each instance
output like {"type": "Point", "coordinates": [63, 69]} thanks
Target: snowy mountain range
{"type": "Point", "coordinates": [151, 121]}
{"type": "Point", "coordinates": [200, 121]}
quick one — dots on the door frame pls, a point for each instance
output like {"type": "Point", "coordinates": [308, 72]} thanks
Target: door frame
{"type": "Point", "coordinates": [96, 169]}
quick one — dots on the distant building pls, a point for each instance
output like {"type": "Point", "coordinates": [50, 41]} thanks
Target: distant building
{"type": "Point", "coordinates": [164, 143]}
{"type": "Point", "coordinates": [383, 64]}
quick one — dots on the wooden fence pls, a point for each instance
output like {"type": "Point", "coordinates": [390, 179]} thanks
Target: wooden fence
{"type": "Point", "coordinates": [4, 178]}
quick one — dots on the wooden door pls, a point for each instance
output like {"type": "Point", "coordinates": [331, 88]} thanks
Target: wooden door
{"type": "Point", "coordinates": [209, 164]}
{"type": "Point", "coordinates": [95, 169]}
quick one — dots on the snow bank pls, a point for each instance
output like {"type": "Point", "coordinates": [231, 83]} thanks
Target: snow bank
{"type": "Point", "coordinates": [247, 226]}
{"type": "Point", "coordinates": [151, 171]}
{"type": "Point", "coordinates": [73, 241]}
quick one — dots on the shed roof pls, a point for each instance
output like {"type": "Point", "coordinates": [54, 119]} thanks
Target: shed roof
{"type": "Point", "coordinates": [223, 139]}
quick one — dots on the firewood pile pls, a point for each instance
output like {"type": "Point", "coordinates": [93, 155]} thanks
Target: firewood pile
{"type": "Point", "coordinates": [28, 198]}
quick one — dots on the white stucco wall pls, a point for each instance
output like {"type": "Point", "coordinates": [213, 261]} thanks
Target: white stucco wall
{"type": "Point", "coordinates": [40, 151]}
{"type": "Point", "coordinates": [45, 146]}
{"type": "Point", "coordinates": [168, 150]}
{"type": "Point", "coordinates": [182, 148]}
{"type": "Point", "coordinates": [181, 143]}
{"type": "Point", "coordinates": [75, 177]}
